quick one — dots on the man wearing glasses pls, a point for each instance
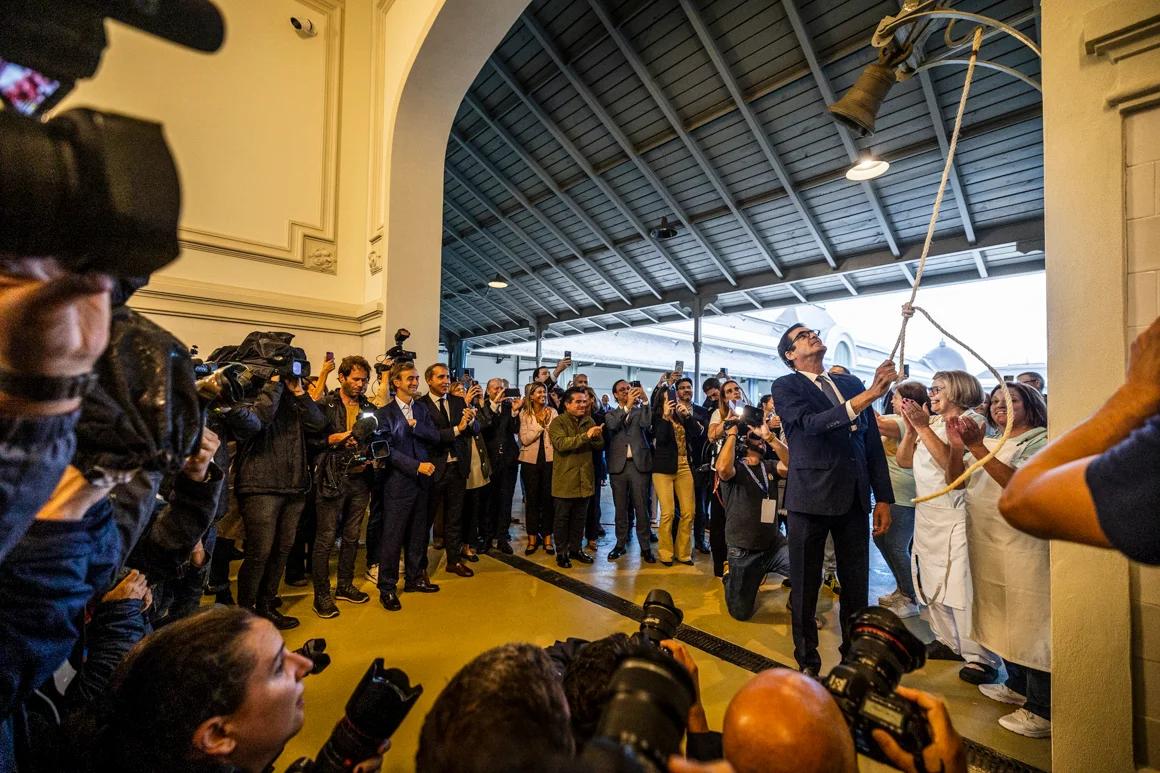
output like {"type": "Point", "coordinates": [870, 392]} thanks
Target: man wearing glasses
{"type": "Point", "coordinates": [835, 462]}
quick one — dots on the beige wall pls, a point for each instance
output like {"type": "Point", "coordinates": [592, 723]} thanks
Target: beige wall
{"type": "Point", "coordinates": [1142, 216]}
{"type": "Point", "coordinates": [1101, 85]}
{"type": "Point", "coordinates": [272, 140]}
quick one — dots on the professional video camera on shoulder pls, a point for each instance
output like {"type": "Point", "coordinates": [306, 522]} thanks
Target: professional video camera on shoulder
{"type": "Point", "coordinates": [234, 374]}
{"type": "Point", "coordinates": [396, 353]}
{"type": "Point", "coordinates": [98, 191]}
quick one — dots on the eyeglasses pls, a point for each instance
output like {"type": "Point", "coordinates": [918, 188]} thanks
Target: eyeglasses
{"type": "Point", "coordinates": [806, 334]}
{"type": "Point", "coordinates": [934, 390]}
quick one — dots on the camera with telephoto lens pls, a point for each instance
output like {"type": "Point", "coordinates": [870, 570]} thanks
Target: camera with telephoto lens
{"type": "Point", "coordinates": [662, 617]}
{"type": "Point", "coordinates": [374, 712]}
{"type": "Point", "coordinates": [863, 684]}
{"type": "Point", "coordinates": [396, 353]}
{"type": "Point", "coordinates": [97, 191]}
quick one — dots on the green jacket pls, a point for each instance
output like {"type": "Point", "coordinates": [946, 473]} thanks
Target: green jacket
{"type": "Point", "coordinates": [572, 470]}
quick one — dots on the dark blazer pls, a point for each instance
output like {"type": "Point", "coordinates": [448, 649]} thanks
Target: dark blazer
{"type": "Point", "coordinates": [665, 441]}
{"type": "Point", "coordinates": [409, 446]}
{"type": "Point", "coordinates": [499, 430]}
{"type": "Point", "coordinates": [459, 445]}
{"type": "Point", "coordinates": [622, 429]}
{"type": "Point", "coordinates": [828, 464]}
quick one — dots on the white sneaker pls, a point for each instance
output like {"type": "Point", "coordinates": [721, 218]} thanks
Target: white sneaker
{"type": "Point", "coordinates": [1002, 693]}
{"type": "Point", "coordinates": [1025, 723]}
{"type": "Point", "coordinates": [373, 573]}
{"type": "Point", "coordinates": [889, 598]}
{"type": "Point", "coordinates": [903, 607]}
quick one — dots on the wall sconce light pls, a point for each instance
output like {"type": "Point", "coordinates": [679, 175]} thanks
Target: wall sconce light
{"type": "Point", "coordinates": [303, 26]}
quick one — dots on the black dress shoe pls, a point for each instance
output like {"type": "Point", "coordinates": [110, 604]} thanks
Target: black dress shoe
{"type": "Point", "coordinates": [504, 547]}
{"type": "Point", "coordinates": [582, 557]}
{"type": "Point", "coordinates": [703, 549]}
{"type": "Point", "coordinates": [461, 569]}
{"type": "Point", "coordinates": [390, 601]}
{"type": "Point", "coordinates": [281, 622]}
{"type": "Point", "coordinates": [667, 563]}
{"type": "Point", "coordinates": [297, 580]}
{"type": "Point", "coordinates": [616, 553]}
{"type": "Point", "coordinates": [648, 557]}
{"type": "Point", "coordinates": [420, 586]}
{"type": "Point", "coordinates": [686, 563]}
{"type": "Point", "coordinates": [563, 562]}
{"type": "Point", "coordinates": [652, 537]}
{"type": "Point", "coordinates": [472, 557]}
{"type": "Point", "coordinates": [936, 650]}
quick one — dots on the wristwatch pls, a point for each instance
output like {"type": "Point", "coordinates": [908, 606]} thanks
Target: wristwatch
{"type": "Point", "coordinates": [45, 389]}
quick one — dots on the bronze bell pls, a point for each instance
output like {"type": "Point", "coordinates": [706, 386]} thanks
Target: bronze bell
{"type": "Point", "coordinates": [858, 108]}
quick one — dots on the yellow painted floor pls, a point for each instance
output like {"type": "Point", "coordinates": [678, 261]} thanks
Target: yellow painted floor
{"type": "Point", "coordinates": [435, 634]}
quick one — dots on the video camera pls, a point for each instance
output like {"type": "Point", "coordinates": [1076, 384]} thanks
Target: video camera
{"type": "Point", "coordinates": [396, 353]}
{"type": "Point", "coordinates": [234, 374]}
{"type": "Point", "coordinates": [98, 191]}
{"type": "Point", "coordinates": [374, 712]}
{"type": "Point", "coordinates": [863, 684]}
{"type": "Point", "coordinates": [370, 449]}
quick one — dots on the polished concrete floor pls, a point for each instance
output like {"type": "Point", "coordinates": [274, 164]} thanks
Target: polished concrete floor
{"type": "Point", "coordinates": [434, 635]}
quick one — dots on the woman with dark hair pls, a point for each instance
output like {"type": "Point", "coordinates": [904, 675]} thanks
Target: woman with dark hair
{"type": "Point", "coordinates": [536, 467]}
{"type": "Point", "coordinates": [730, 392]}
{"type": "Point", "coordinates": [1010, 570]}
{"type": "Point", "coordinates": [894, 545]}
{"type": "Point", "coordinates": [217, 691]}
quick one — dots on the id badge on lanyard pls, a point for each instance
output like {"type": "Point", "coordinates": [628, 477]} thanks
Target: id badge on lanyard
{"type": "Point", "coordinates": [768, 506]}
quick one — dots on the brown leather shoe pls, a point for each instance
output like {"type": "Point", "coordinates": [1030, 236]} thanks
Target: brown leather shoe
{"type": "Point", "coordinates": [460, 569]}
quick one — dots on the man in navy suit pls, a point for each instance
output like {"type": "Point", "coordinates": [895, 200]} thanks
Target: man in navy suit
{"type": "Point", "coordinates": [409, 428]}
{"type": "Point", "coordinates": [835, 462]}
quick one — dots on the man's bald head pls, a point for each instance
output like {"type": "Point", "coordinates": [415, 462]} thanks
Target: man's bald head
{"type": "Point", "coordinates": [784, 721]}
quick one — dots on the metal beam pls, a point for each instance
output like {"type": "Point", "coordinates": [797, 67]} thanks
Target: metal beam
{"type": "Point", "coordinates": [980, 264]}
{"type": "Point", "coordinates": [670, 113]}
{"type": "Point", "coordinates": [807, 46]}
{"type": "Point", "coordinates": [906, 272]}
{"type": "Point", "coordinates": [514, 191]}
{"type": "Point", "coordinates": [490, 206]}
{"type": "Point", "coordinates": [749, 297]}
{"type": "Point", "coordinates": [482, 297]}
{"type": "Point", "coordinates": [584, 164]}
{"type": "Point", "coordinates": [500, 270]}
{"type": "Point", "coordinates": [1029, 233]}
{"type": "Point", "coordinates": [547, 179]}
{"type": "Point", "coordinates": [503, 249]}
{"type": "Point", "coordinates": [519, 312]}
{"type": "Point", "coordinates": [650, 317]}
{"type": "Point", "coordinates": [940, 132]}
{"type": "Point", "coordinates": [849, 285]}
{"type": "Point", "coordinates": [677, 308]}
{"type": "Point", "coordinates": [957, 277]}
{"type": "Point", "coordinates": [756, 129]}
{"type": "Point", "coordinates": [464, 322]}
{"type": "Point", "coordinates": [797, 293]}
{"type": "Point", "coordinates": [549, 44]}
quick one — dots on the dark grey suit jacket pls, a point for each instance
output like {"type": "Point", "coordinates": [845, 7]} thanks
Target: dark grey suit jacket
{"type": "Point", "coordinates": [624, 429]}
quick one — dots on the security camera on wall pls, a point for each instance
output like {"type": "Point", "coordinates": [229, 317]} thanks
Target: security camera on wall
{"type": "Point", "coordinates": [304, 26]}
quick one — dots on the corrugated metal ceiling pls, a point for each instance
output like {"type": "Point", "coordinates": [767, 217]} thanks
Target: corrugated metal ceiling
{"type": "Point", "coordinates": [595, 118]}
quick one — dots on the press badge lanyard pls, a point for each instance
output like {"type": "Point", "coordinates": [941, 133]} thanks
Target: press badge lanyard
{"type": "Point", "coordinates": [768, 506]}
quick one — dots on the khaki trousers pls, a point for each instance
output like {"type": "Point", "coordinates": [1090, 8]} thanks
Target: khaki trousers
{"type": "Point", "coordinates": [671, 489]}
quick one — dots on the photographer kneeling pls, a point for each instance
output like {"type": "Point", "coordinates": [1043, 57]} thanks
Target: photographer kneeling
{"type": "Point", "coordinates": [212, 693]}
{"type": "Point", "coordinates": [756, 546]}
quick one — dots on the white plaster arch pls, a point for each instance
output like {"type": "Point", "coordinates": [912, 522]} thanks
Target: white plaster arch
{"type": "Point", "coordinates": [434, 49]}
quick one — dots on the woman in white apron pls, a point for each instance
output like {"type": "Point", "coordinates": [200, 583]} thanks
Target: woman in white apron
{"type": "Point", "coordinates": [941, 568]}
{"type": "Point", "coordinates": [1011, 614]}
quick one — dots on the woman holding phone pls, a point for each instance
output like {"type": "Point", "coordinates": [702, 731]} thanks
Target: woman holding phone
{"type": "Point", "coordinates": [536, 467]}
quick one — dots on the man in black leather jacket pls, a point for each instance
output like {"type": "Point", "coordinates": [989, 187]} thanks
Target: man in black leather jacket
{"type": "Point", "coordinates": [272, 481]}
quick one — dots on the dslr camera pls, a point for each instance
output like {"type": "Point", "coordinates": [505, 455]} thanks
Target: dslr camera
{"type": "Point", "coordinates": [374, 712]}
{"type": "Point", "coordinates": [863, 684]}
{"type": "Point", "coordinates": [396, 353]}
{"type": "Point", "coordinates": [98, 191]}
{"type": "Point", "coordinates": [644, 721]}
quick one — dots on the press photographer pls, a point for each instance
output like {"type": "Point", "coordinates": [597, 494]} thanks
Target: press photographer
{"type": "Point", "coordinates": [344, 477]}
{"type": "Point", "coordinates": [273, 478]}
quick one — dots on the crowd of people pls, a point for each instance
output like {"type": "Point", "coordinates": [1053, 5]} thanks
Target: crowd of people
{"type": "Point", "coordinates": [127, 491]}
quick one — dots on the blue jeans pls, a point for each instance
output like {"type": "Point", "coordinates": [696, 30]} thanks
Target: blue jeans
{"type": "Point", "coordinates": [894, 546]}
{"type": "Point", "coordinates": [1032, 684]}
{"type": "Point", "coordinates": [746, 570]}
